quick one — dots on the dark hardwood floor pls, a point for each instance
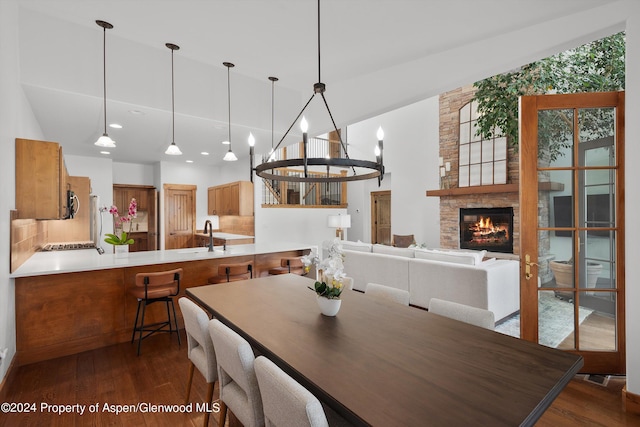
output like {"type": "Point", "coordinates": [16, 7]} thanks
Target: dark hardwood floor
{"type": "Point", "coordinates": [116, 376]}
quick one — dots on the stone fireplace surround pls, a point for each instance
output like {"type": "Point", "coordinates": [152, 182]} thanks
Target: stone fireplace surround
{"type": "Point", "coordinates": [469, 197]}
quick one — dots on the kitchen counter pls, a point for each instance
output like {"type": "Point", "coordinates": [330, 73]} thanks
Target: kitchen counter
{"type": "Point", "coordinates": [44, 263]}
{"type": "Point", "coordinates": [72, 301]}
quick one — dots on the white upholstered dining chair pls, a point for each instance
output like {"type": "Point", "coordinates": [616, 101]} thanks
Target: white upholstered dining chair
{"type": "Point", "coordinates": [199, 348]}
{"type": "Point", "coordinates": [237, 380]}
{"type": "Point", "coordinates": [285, 402]}
{"type": "Point", "coordinates": [464, 313]}
{"type": "Point", "coordinates": [387, 292]}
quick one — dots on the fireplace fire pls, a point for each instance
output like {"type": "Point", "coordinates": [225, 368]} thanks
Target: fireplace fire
{"type": "Point", "coordinates": [487, 228]}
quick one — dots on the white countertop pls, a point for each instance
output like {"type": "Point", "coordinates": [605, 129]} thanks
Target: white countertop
{"type": "Point", "coordinates": [58, 262]}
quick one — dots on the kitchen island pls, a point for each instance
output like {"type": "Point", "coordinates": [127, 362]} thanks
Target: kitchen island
{"type": "Point", "coordinates": [72, 301]}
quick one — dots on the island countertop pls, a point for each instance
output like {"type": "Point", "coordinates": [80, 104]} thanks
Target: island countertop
{"type": "Point", "coordinates": [58, 262]}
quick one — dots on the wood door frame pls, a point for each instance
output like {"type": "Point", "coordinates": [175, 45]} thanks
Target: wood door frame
{"type": "Point", "coordinates": [183, 187]}
{"type": "Point", "coordinates": [595, 361]}
{"type": "Point", "coordinates": [373, 196]}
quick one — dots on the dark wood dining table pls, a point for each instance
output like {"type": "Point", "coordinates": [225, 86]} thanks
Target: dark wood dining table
{"type": "Point", "coordinates": [382, 363]}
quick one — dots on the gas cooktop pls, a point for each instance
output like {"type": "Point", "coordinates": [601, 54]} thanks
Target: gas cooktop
{"type": "Point", "coordinates": [68, 246]}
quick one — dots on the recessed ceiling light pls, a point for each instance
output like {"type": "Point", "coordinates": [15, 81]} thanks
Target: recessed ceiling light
{"type": "Point", "coordinates": [136, 112]}
{"type": "Point", "coordinates": [226, 143]}
{"type": "Point", "coordinates": [189, 161]}
{"type": "Point", "coordinates": [204, 153]}
{"type": "Point", "coordinates": [105, 152]}
{"type": "Point", "coordinates": [115, 126]}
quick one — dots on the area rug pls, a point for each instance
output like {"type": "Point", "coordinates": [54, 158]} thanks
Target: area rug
{"type": "Point", "coordinates": [556, 320]}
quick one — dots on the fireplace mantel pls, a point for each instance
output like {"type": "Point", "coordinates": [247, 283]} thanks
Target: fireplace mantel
{"type": "Point", "coordinates": [479, 189]}
{"type": "Point", "coordinates": [487, 189]}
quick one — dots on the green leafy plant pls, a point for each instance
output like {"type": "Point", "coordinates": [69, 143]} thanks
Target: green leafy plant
{"type": "Point", "coordinates": [119, 222]}
{"type": "Point", "coordinates": [598, 66]}
{"type": "Point", "coordinates": [330, 290]}
{"type": "Point", "coordinates": [115, 240]}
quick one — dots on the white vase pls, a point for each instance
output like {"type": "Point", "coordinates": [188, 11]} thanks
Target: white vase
{"type": "Point", "coordinates": [328, 306]}
{"type": "Point", "coordinates": [121, 251]}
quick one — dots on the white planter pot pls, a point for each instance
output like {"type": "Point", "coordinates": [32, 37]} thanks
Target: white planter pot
{"type": "Point", "coordinates": [121, 251]}
{"type": "Point", "coordinates": [328, 307]}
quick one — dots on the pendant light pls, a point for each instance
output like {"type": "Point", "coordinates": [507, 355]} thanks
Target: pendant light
{"type": "Point", "coordinates": [229, 157]}
{"type": "Point", "coordinates": [173, 149]}
{"type": "Point", "coordinates": [104, 140]}
{"type": "Point", "coordinates": [269, 170]}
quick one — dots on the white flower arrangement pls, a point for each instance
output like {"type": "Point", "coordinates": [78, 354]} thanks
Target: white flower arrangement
{"type": "Point", "coordinates": [330, 270]}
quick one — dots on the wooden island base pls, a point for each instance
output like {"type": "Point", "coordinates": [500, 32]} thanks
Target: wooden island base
{"type": "Point", "coordinates": [68, 313]}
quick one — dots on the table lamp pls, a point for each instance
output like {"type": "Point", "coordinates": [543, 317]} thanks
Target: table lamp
{"type": "Point", "coordinates": [339, 222]}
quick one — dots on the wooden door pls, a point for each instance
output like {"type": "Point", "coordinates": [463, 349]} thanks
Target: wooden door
{"type": "Point", "coordinates": [572, 226]}
{"type": "Point", "coordinates": [381, 217]}
{"type": "Point", "coordinates": [179, 215]}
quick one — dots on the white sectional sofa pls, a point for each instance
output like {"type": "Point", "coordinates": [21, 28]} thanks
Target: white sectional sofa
{"type": "Point", "coordinates": [460, 276]}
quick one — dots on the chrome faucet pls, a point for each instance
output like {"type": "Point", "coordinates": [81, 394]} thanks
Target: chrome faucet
{"type": "Point", "coordinates": [208, 223]}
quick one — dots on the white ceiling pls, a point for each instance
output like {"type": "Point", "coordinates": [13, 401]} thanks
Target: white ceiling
{"type": "Point", "coordinates": [377, 55]}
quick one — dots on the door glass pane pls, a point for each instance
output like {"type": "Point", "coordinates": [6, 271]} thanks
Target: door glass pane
{"type": "Point", "coordinates": [556, 324]}
{"type": "Point", "coordinates": [597, 130]}
{"type": "Point", "coordinates": [555, 195]}
{"type": "Point", "coordinates": [600, 249]}
{"type": "Point", "coordinates": [598, 327]}
{"type": "Point", "coordinates": [561, 260]}
{"type": "Point", "coordinates": [555, 137]}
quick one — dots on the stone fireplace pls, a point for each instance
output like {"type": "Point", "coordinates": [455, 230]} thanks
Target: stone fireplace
{"type": "Point", "coordinates": [488, 229]}
{"type": "Point", "coordinates": [455, 199]}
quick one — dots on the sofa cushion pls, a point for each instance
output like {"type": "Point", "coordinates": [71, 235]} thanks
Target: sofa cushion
{"type": "Point", "coordinates": [368, 267]}
{"type": "Point", "coordinates": [391, 250]}
{"type": "Point", "coordinates": [446, 256]}
{"type": "Point", "coordinates": [356, 246]}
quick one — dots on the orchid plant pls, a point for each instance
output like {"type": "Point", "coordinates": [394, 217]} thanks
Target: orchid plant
{"type": "Point", "coordinates": [330, 270]}
{"type": "Point", "coordinates": [119, 222]}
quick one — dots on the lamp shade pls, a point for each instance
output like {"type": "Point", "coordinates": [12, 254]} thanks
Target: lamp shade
{"type": "Point", "coordinates": [339, 221]}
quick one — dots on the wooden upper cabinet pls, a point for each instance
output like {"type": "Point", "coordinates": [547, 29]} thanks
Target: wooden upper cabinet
{"type": "Point", "coordinates": [41, 180]}
{"type": "Point", "coordinates": [235, 198]}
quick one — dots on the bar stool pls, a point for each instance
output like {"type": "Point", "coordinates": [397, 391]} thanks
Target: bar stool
{"type": "Point", "coordinates": [159, 286]}
{"type": "Point", "coordinates": [289, 265]}
{"type": "Point", "coordinates": [232, 273]}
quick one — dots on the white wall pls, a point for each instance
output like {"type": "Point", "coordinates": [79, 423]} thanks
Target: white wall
{"type": "Point", "coordinates": [632, 178]}
{"type": "Point", "coordinates": [16, 121]}
{"type": "Point", "coordinates": [411, 150]}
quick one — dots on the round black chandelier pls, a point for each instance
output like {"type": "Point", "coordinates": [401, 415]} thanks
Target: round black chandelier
{"type": "Point", "coordinates": [321, 166]}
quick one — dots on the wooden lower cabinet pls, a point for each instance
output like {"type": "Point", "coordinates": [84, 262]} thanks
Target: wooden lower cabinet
{"type": "Point", "coordinates": [62, 314]}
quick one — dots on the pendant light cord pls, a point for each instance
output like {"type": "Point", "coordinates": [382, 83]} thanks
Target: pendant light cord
{"type": "Point", "coordinates": [173, 106]}
{"type": "Point", "coordinates": [273, 83]}
{"type": "Point", "coordinates": [319, 79]}
{"type": "Point", "coordinates": [104, 75]}
{"type": "Point", "coordinates": [229, 103]}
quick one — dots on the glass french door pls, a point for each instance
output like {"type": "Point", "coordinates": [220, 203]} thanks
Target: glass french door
{"type": "Point", "coordinates": [572, 226]}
